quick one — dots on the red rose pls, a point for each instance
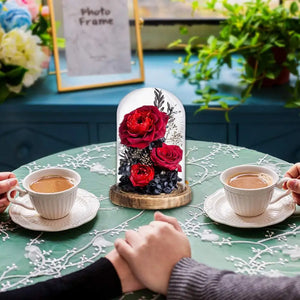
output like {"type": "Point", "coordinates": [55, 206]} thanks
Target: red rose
{"type": "Point", "coordinates": [141, 175]}
{"type": "Point", "coordinates": [142, 126]}
{"type": "Point", "coordinates": [167, 157]}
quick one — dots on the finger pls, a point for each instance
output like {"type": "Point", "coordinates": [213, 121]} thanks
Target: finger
{"type": "Point", "coordinates": [2, 209]}
{"type": "Point", "coordinates": [294, 185]}
{"type": "Point", "coordinates": [158, 216]}
{"type": "Point", "coordinates": [294, 171]}
{"type": "Point", "coordinates": [296, 198]}
{"type": "Point", "coordinates": [124, 249]}
{"type": "Point", "coordinates": [6, 175]}
{"type": "Point", "coordinates": [6, 185]}
{"type": "Point", "coordinates": [133, 238]}
{"type": "Point", "coordinates": [145, 229]}
{"type": "Point", "coordinates": [162, 227]}
{"type": "Point", "coordinates": [4, 203]}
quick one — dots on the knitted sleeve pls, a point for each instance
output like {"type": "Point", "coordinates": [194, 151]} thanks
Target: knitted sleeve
{"type": "Point", "coordinates": [193, 280]}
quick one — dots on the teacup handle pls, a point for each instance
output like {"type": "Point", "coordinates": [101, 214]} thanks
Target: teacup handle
{"type": "Point", "coordinates": [279, 185]}
{"type": "Point", "coordinates": [17, 202]}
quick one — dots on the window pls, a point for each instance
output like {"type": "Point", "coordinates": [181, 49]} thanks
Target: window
{"type": "Point", "coordinates": [182, 9]}
{"type": "Point", "coordinates": [164, 18]}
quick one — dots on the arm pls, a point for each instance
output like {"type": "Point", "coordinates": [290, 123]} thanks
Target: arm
{"type": "Point", "coordinates": [160, 258]}
{"type": "Point", "coordinates": [192, 280]}
{"type": "Point", "coordinates": [98, 278]}
{"type": "Point", "coordinates": [106, 278]}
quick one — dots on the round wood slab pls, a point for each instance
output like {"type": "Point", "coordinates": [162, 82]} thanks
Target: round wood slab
{"type": "Point", "coordinates": [179, 197]}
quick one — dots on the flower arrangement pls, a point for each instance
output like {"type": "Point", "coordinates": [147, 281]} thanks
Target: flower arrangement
{"type": "Point", "coordinates": [24, 45]}
{"type": "Point", "coordinates": [147, 164]}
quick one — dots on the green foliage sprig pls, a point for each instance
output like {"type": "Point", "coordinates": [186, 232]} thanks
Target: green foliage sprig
{"type": "Point", "coordinates": [251, 31]}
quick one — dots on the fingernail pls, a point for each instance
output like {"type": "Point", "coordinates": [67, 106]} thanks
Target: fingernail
{"type": "Point", "coordinates": [12, 181]}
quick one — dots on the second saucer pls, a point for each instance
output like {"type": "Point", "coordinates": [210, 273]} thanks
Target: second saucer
{"type": "Point", "coordinates": [218, 209]}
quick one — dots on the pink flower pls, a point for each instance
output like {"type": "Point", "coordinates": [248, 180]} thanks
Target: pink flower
{"type": "Point", "coordinates": [45, 11]}
{"type": "Point", "coordinates": [31, 5]}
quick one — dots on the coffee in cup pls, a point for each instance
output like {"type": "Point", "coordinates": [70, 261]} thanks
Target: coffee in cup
{"type": "Point", "coordinates": [250, 180]}
{"type": "Point", "coordinates": [51, 184]}
{"type": "Point", "coordinates": [52, 192]}
{"type": "Point", "coordinates": [249, 189]}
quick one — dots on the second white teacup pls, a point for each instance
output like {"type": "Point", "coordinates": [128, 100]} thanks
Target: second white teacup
{"type": "Point", "coordinates": [50, 205]}
{"type": "Point", "coordinates": [252, 201]}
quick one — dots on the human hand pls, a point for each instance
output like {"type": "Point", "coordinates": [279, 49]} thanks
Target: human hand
{"type": "Point", "coordinates": [158, 216]}
{"type": "Point", "coordinates": [153, 250]}
{"type": "Point", "coordinates": [128, 280]}
{"type": "Point", "coordinates": [294, 183]}
{"type": "Point", "coordinates": [7, 181]}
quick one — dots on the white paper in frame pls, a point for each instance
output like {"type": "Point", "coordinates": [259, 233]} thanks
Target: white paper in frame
{"type": "Point", "coordinates": [67, 82]}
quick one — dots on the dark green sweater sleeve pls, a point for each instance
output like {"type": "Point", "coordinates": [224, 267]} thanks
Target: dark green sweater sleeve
{"type": "Point", "coordinates": [192, 280]}
{"type": "Point", "coordinates": [99, 280]}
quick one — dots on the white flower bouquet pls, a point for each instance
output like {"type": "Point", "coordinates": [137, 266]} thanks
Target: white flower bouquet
{"type": "Point", "coordinates": [24, 44]}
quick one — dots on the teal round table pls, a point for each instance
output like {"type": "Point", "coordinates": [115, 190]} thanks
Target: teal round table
{"type": "Point", "coordinates": [29, 256]}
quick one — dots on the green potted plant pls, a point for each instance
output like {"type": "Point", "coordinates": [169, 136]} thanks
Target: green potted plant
{"type": "Point", "coordinates": [264, 40]}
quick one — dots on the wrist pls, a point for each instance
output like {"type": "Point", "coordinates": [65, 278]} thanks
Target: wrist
{"type": "Point", "coordinates": [128, 282]}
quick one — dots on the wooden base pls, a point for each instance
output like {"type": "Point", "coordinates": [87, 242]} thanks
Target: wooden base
{"type": "Point", "coordinates": [179, 197]}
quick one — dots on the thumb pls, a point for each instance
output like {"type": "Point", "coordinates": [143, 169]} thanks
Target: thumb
{"type": "Point", "coordinates": [294, 185]}
{"type": "Point", "coordinates": [124, 249]}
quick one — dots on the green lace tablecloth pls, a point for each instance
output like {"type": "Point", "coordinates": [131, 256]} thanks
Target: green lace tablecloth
{"type": "Point", "coordinates": [29, 256]}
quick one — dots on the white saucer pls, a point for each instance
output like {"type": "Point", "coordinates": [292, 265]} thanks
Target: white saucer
{"type": "Point", "coordinates": [85, 209]}
{"type": "Point", "coordinates": [218, 209]}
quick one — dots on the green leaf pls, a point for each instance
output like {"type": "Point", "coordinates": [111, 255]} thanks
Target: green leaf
{"type": "Point", "coordinates": [227, 116]}
{"type": "Point", "coordinates": [4, 91]}
{"type": "Point", "coordinates": [242, 40]}
{"type": "Point", "coordinates": [2, 74]}
{"type": "Point", "coordinates": [183, 30]}
{"type": "Point", "coordinates": [266, 47]}
{"type": "Point", "coordinates": [270, 75]}
{"type": "Point", "coordinates": [292, 104]}
{"type": "Point", "coordinates": [212, 42]}
{"type": "Point", "coordinates": [211, 4]}
{"type": "Point", "coordinates": [40, 27]}
{"type": "Point", "coordinates": [233, 40]}
{"type": "Point", "coordinates": [195, 5]}
{"type": "Point", "coordinates": [15, 76]}
{"type": "Point", "coordinates": [175, 43]}
{"type": "Point", "coordinates": [255, 39]}
{"type": "Point", "coordinates": [291, 56]}
{"type": "Point", "coordinates": [294, 8]}
{"type": "Point", "coordinates": [223, 104]}
{"type": "Point", "coordinates": [280, 44]}
{"type": "Point", "coordinates": [228, 6]}
{"type": "Point", "coordinates": [201, 108]}
{"type": "Point", "coordinates": [61, 43]}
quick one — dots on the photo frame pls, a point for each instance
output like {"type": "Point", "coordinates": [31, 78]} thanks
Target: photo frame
{"type": "Point", "coordinates": [68, 83]}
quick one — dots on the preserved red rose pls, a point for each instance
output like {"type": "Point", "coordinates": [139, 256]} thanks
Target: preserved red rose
{"type": "Point", "coordinates": [142, 126]}
{"type": "Point", "coordinates": [167, 157]}
{"type": "Point", "coordinates": [141, 175]}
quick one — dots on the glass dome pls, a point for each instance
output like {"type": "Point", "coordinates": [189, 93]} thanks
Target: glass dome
{"type": "Point", "coordinates": [150, 142]}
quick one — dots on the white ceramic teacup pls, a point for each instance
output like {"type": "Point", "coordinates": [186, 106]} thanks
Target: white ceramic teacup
{"type": "Point", "coordinates": [251, 202]}
{"type": "Point", "coordinates": [48, 205]}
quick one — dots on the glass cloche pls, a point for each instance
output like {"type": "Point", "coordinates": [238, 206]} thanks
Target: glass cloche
{"type": "Point", "coordinates": [150, 150]}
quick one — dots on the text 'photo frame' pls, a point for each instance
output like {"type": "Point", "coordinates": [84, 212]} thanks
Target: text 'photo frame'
{"type": "Point", "coordinates": [103, 44]}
